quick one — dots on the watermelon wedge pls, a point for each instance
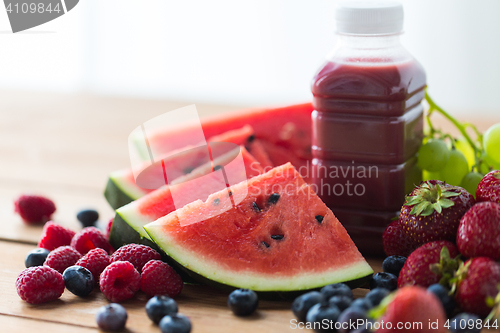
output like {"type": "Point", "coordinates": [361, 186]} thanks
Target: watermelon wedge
{"type": "Point", "coordinates": [198, 185]}
{"type": "Point", "coordinates": [280, 238]}
{"type": "Point", "coordinates": [122, 188]}
{"type": "Point", "coordinates": [289, 127]}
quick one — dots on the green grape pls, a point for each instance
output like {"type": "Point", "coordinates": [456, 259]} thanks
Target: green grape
{"type": "Point", "coordinates": [470, 182]}
{"type": "Point", "coordinates": [433, 155]}
{"type": "Point", "coordinates": [455, 169]}
{"type": "Point", "coordinates": [488, 164]}
{"type": "Point", "coordinates": [491, 142]}
{"type": "Point", "coordinates": [466, 149]}
{"type": "Point", "coordinates": [429, 175]}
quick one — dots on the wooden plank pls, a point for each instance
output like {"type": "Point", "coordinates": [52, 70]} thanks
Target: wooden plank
{"type": "Point", "coordinates": [206, 307]}
{"type": "Point", "coordinates": [18, 324]}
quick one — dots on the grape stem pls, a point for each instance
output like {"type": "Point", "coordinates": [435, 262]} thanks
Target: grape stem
{"type": "Point", "coordinates": [461, 127]}
{"type": "Point", "coordinates": [433, 107]}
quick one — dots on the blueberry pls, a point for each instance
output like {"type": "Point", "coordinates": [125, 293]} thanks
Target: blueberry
{"type": "Point", "coordinates": [465, 323]}
{"type": "Point", "coordinates": [363, 304]}
{"type": "Point", "coordinates": [160, 306]}
{"type": "Point", "coordinates": [111, 317]}
{"type": "Point", "coordinates": [341, 302]}
{"type": "Point", "coordinates": [87, 217]}
{"type": "Point", "coordinates": [175, 323]}
{"type": "Point", "coordinates": [393, 264]}
{"type": "Point", "coordinates": [78, 280]}
{"type": "Point", "coordinates": [304, 302]}
{"type": "Point", "coordinates": [443, 294]}
{"type": "Point", "coordinates": [349, 319]}
{"type": "Point", "coordinates": [36, 257]}
{"type": "Point", "coordinates": [243, 302]}
{"type": "Point", "coordinates": [384, 280]}
{"type": "Point", "coordinates": [376, 295]}
{"type": "Point", "coordinates": [321, 313]}
{"type": "Point", "coordinates": [337, 289]}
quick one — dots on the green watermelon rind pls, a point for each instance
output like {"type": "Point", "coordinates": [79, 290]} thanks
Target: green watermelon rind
{"type": "Point", "coordinates": [122, 233]}
{"type": "Point", "coordinates": [355, 275]}
{"type": "Point", "coordinates": [119, 191]}
{"type": "Point", "coordinates": [136, 221]}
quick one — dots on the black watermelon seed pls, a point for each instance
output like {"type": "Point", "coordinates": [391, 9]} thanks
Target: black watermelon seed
{"type": "Point", "coordinates": [265, 244]}
{"type": "Point", "coordinates": [273, 198]}
{"type": "Point", "coordinates": [188, 170]}
{"type": "Point", "coordinates": [256, 207]}
{"type": "Point", "coordinates": [277, 237]}
{"type": "Point", "coordinates": [216, 202]}
{"type": "Point", "coordinates": [251, 138]}
{"type": "Point", "coordinates": [319, 218]}
{"type": "Point", "coordinates": [230, 193]}
{"type": "Point", "coordinates": [217, 167]}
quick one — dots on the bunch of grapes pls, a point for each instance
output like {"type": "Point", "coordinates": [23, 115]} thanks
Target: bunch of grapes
{"type": "Point", "coordinates": [458, 161]}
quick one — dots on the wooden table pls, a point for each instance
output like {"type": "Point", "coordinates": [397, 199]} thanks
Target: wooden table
{"type": "Point", "coordinates": [64, 146]}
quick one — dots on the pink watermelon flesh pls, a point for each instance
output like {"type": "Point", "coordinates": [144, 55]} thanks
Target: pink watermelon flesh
{"type": "Point", "coordinates": [295, 243]}
{"type": "Point", "coordinates": [257, 150]}
{"type": "Point", "coordinates": [246, 136]}
{"type": "Point", "coordinates": [280, 155]}
{"type": "Point", "coordinates": [288, 127]}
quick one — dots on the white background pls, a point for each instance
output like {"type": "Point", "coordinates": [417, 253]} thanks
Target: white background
{"type": "Point", "coordinates": [241, 52]}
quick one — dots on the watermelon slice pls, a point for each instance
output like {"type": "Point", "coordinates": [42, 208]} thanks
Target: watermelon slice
{"type": "Point", "coordinates": [122, 188]}
{"type": "Point", "coordinates": [280, 237]}
{"type": "Point", "coordinates": [131, 218]}
{"type": "Point", "coordinates": [288, 127]}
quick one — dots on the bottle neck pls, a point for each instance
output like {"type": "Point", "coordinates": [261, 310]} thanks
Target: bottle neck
{"type": "Point", "coordinates": [371, 50]}
{"type": "Point", "coordinates": [369, 42]}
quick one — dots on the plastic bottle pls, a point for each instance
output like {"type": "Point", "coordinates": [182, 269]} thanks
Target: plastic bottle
{"type": "Point", "coordinates": [368, 121]}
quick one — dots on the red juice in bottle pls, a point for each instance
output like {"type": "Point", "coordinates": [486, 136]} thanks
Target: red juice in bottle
{"type": "Point", "coordinates": [368, 121]}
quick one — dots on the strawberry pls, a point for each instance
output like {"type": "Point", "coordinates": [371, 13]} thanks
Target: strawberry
{"type": "Point", "coordinates": [411, 309]}
{"type": "Point", "coordinates": [479, 231]}
{"type": "Point", "coordinates": [489, 187]}
{"type": "Point", "coordinates": [395, 241]}
{"type": "Point", "coordinates": [433, 211]}
{"type": "Point", "coordinates": [476, 282]}
{"type": "Point", "coordinates": [429, 264]}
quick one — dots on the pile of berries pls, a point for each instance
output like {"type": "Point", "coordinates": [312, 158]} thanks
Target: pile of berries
{"type": "Point", "coordinates": [452, 245]}
{"type": "Point", "coordinates": [83, 260]}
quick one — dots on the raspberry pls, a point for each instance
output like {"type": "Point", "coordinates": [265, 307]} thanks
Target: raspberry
{"type": "Point", "coordinates": [39, 284]}
{"type": "Point", "coordinates": [137, 254]}
{"type": "Point", "coordinates": [108, 228]}
{"type": "Point", "coordinates": [158, 278]}
{"type": "Point", "coordinates": [95, 261]}
{"type": "Point", "coordinates": [90, 238]}
{"type": "Point", "coordinates": [62, 257]}
{"type": "Point", "coordinates": [55, 235]}
{"type": "Point", "coordinates": [34, 208]}
{"type": "Point", "coordinates": [120, 281]}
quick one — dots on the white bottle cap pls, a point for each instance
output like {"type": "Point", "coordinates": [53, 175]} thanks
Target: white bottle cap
{"type": "Point", "coordinates": [369, 17]}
